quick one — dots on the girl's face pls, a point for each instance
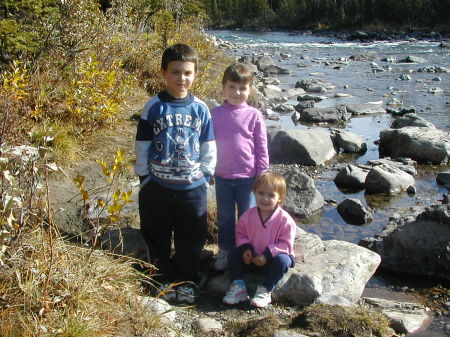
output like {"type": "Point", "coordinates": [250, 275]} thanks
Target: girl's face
{"type": "Point", "coordinates": [267, 199]}
{"type": "Point", "coordinates": [236, 93]}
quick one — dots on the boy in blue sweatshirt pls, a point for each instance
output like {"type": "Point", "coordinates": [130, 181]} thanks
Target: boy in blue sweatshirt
{"type": "Point", "coordinates": [175, 159]}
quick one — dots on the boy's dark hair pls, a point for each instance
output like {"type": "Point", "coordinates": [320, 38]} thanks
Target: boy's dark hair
{"type": "Point", "coordinates": [238, 72]}
{"type": "Point", "coordinates": [273, 180]}
{"type": "Point", "coordinates": [178, 52]}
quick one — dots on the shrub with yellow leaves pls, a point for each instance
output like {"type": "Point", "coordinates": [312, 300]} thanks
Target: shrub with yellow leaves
{"type": "Point", "coordinates": [111, 204]}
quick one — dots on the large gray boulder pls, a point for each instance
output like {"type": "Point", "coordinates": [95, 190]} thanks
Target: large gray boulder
{"type": "Point", "coordinates": [443, 178]}
{"type": "Point", "coordinates": [303, 199]}
{"type": "Point", "coordinates": [348, 141]}
{"type": "Point", "coordinates": [353, 212]}
{"type": "Point", "coordinates": [274, 69]}
{"type": "Point", "coordinates": [351, 177]}
{"type": "Point", "coordinates": [323, 269]}
{"type": "Point", "coordinates": [405, 317]}
{"type": "Point", "coordinates": [293, 92]}
{"type": "Point", "coordinates": [365, 109]}
{"type": "Point", "coordinates": [314, 85]}
{"type": "Point", "coordinates": [424, 145]}
{"type": "Point", "coordinates": [387, 179]}
{"type": "Point", "coordinates": [411, 119]}
{"type": "Point", "coordinates": [333, 115]}
{"type": "Point", "coordinates": [264, 61]}
{"type": "Point", "coordinates": [331, 268]}
{"type": "Point", "coordinates": [305, 147]}
{"type": "Point", "coordinates": [416, 242]}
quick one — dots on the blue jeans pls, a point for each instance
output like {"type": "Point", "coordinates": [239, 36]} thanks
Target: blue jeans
{"type": "Point", "coordinates": [229, 194]}
{"type": "Point", "coordinates": [273, 270]}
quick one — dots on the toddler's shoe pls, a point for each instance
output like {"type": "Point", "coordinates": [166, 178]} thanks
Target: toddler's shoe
{"type": "Point", "coordinates": [221, 262]}
{"type": "Point", "coordinates": [237, 293]}
{"type": "Point", "coordinates": [167, 292]}
{"type": "Point", "coordinates": [186, 294]}
{"type": "Point", "coordinates": [262, 298]}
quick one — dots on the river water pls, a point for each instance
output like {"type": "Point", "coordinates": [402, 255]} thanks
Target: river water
{"type": "Point", "coordinates": [310, 57]}
{"type": "Point", "coordinates": [357, 79]}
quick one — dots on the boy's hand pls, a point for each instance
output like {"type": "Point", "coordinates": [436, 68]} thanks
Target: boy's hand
{"type": "Point", "coordinates": [259, 260]}
{"type": "Point", "coordinates": [247, 256]}
{"type": "Point", "coordinates": [212, 181]}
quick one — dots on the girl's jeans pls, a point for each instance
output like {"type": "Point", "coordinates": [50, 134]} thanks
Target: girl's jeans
{"type": "Point", "coordinates": [229, 194]}
{"type": "Point", "coordinates": [274, 270]}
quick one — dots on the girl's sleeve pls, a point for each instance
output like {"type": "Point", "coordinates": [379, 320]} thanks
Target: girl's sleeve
{"type": "Point", "coordinates": [285, 241]}
{"type": "Point", "coordinates": [242, 237]}
{"type": "Point", "coordinates": [260, 140]}
{"type": "Point", "coordinates": [208, 150]}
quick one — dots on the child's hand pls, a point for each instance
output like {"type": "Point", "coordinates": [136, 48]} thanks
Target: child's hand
{"type": "Point", "coordinates": [247, 256]}
{"type": "Point", "coordinates": [212, 181]}
{"type": "Point", "coordinates": [259, 260]}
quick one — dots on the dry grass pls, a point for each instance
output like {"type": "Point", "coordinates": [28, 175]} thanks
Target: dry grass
{"type": "Point", "coordinates": [69, 291]}
{"type": "Point", "coordinates": [265, 326]}
{"type": "Point", "coordinates": [337, 321]}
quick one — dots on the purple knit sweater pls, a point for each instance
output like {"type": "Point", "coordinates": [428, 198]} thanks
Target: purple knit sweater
{"type": "Point", "coordinates": [241, 140]}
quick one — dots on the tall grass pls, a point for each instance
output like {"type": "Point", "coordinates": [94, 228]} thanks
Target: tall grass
{"type": "Point", "coordinates": [57, 100]}
{"type": "Point", "coordinates": [88, 293]}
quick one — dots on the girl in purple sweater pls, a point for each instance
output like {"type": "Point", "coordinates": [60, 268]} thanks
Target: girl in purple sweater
{"type": "Point", "coordinates": [241, 141]}
{"type": "Point", "coordinates": [264, 238]}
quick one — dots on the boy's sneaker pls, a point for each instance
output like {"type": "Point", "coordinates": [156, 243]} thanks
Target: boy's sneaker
{"type": "Point", "coordinates": [237, 293]}
{"type": "Point", "coordinates": [221, 262]}
{"type": "Point", "coordinates": [167, 292]}
{"type": "Point", "coordinates": [186, 294]}
{"type": "Point", "coordinates": [262, 298]}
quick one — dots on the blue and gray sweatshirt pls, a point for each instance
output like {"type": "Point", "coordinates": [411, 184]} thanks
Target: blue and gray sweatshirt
{"type": "Point", "coordinates": [175, 143]}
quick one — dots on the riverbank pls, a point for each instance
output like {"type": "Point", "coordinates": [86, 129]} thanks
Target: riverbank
{"type": "Point", "coordinates": [209, 305]}
{"type": "Point", "coordinates": [361, 34]}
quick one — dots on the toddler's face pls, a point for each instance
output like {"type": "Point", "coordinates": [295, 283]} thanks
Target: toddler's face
{"type": "Point", "coordinates": [236, 93]}
{"type": "Point", "coordinates": [178, 77]}
{"type": "Point", "coordinates": [267, 199]}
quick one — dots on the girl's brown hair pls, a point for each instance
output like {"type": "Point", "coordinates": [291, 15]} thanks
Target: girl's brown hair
{"type": "Point", "coordinates": [239, 73]}
{"type": "Point", "coordinates": [273, 180]}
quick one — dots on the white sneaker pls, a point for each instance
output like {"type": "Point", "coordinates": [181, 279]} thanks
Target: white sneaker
{"type": "Point", "coordinates": [186, 294]}
{"type": "Point", "coordinates": [221, 262]}
{"type": "Point", "coordinates": [167, 292]}
{"type": "Point", "coordinates": [235, 294]}
{"type": "Point", "coordinates": [262, 298]}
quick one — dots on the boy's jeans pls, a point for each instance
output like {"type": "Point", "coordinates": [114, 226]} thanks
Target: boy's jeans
{"type": "Point", "coordinates": [229, 194]}
{"type": "Point", "coordinates": [168, 214]}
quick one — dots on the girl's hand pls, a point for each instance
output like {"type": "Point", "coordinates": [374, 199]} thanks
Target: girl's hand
{"type": "Point", "coordinates": [247, 256]}
{"type": "Point", "coordinates": [259, 260]}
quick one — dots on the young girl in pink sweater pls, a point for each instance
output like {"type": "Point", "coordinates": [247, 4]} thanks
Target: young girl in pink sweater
{"type": "Point", "coordinates": [242, 155]}
{"type": "Point", "coordinates": [265, 238]}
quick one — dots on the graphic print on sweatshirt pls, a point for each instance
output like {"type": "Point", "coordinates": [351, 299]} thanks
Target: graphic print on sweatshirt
{"type": "Point", "coordinates": [176, 151]}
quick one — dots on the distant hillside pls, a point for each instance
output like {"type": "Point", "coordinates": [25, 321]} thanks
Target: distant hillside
{"type": "Point", "coordinates": [301, 14]}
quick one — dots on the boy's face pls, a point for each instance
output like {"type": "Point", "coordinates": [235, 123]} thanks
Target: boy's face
{"type": "Point", "coordinates": [179, 77]}
{"type": "Point", "coordinates": [267, 199]}
{"type": "Point", "coordinates": [236, 93]}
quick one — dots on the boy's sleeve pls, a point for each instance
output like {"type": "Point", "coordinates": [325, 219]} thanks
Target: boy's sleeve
{"type": "Point", "coordinates": [208, 150]}
{"type": "Point", "coordinates": [143, 142]}
{"type": "Point", "coordinates": [260, 139]}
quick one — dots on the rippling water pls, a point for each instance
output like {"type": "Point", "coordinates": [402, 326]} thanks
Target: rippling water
{"type": "Point", "coordinates": [309, 55]}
